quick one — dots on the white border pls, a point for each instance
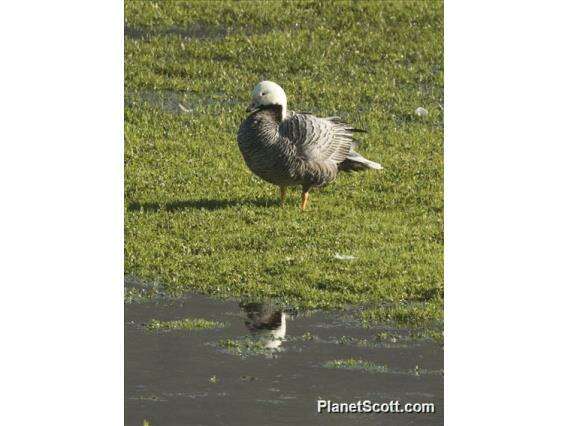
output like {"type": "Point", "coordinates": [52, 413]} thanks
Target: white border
{"type": "Point", "coordinates": [506, 191]}
{"type": "Point", "coordinates": [61, 218]}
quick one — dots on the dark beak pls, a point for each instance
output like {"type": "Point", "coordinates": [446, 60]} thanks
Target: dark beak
{"type": "Point", "coordinates": [251, 108]}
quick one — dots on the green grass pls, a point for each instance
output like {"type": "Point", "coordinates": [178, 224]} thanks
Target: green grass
{"type": "Point", "coordinates": [356, 364]}
{"type": "Point", "coordinates": [195, 217]}
{"type": "Point", "coordinates": [409, 315]}
{"type": "Point", "coordinates": [183, 324]}
{"type": "Point", "coordinates": [371, 367]}
{"type": "Point", "coordinates": [244, 347]}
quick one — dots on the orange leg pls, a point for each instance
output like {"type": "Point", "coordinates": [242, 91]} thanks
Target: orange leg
{"type": "Point", "coordinates": [282, 195]}
{"type": "Point", "coordinates": [304, 202]}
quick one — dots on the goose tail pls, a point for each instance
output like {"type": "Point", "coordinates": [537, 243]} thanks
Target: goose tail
{"type": "Point", "coordinates": [355, 162]}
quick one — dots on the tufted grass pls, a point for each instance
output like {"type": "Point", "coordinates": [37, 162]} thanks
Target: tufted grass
{"type": "Point", "coordinates": [184, 324]}
{"type": "Point", "coordinates": [195, 217]}
{"type": "Point", "coordinates": [371, 367]}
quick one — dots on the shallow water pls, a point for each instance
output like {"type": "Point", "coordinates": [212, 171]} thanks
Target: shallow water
{"type": "Point", "coordinates": [189, 377]}
{"type": "Point", "coordinates": [177, 102]}
{"type": "Point", "coordinates": [194, 31]}
{"type": "Point", "coordinates": [203, 31]}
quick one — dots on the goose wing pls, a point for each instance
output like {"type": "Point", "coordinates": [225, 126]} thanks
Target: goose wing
{"type": "Point", "coordinates": [319, 139]}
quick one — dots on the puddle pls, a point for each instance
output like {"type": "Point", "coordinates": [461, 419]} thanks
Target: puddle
{"type": "Point", "coordinates": [178, 102]}
{"type": "Point", "coordinates": [203, 31]}
{"type": "Point", "coordinates": [198, 31]}
{"type": "Point", "coordinates": [255, 363]}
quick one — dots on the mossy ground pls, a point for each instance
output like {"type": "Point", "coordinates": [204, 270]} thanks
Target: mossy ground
{"type": "Point", "coordinates": [195, 217]}
{"type": "Point", "coordinates": [184, 324]}
{"type": "Point", "coordinates": [244, 347]}
{"type": "Point", "coordinates": [371, 367]}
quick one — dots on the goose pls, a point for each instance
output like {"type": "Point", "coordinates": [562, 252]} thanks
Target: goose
{"type": "Point", "coordinates": [266, 323]}
{"type": "Point", "coordinates": [287, 148]}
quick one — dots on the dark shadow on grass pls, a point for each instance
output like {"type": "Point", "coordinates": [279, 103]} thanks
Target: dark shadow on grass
{"type": "Point", "coordinates": [202, 204]}
{"type": "Point", "coordinates": [196, 31]}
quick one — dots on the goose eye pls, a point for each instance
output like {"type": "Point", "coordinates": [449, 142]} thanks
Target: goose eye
{"type": "Point", "coordinates": [262, 93]}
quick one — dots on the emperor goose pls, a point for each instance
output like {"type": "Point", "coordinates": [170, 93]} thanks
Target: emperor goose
{"type": "Point", "coordinates": [287, 148]}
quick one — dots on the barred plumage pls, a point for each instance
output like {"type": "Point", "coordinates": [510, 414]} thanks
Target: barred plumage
{"type": "Point", "coordinates": [287, 148]}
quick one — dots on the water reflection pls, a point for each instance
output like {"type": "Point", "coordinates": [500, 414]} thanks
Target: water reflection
{"type": "Point", "coordinates": [265, 323]}
{"type": "Point", "coordinates": [170, 376]}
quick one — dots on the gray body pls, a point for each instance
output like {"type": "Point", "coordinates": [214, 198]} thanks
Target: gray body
{"type": "Point", "coordinates": [301, 150]}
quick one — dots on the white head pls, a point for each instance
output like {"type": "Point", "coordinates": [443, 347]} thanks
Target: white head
{"type": "Point", "coordinates": [268, 93]}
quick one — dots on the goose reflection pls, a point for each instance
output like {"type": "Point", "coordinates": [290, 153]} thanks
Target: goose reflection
{"type": "Point", "coordinates": [266, 323]}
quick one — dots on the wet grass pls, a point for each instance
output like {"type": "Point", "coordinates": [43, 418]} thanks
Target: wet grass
{"type": "Point", "coordinates": [184, 324]}
{"type": "Point", "coordinates": [433, 333]}
{"type": "Point", "coordinates": [406, 314]}
{"type": "Point", "coordinates": [139, 292]}
{"type": "Point", "coordinates": [371, 367]}
{"type": "Point", "coordinates": [195, 217]}
{"type": "Point", "coordinates": [244, 347]}
{"type": "Point", "coordinates": [381, 340]}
